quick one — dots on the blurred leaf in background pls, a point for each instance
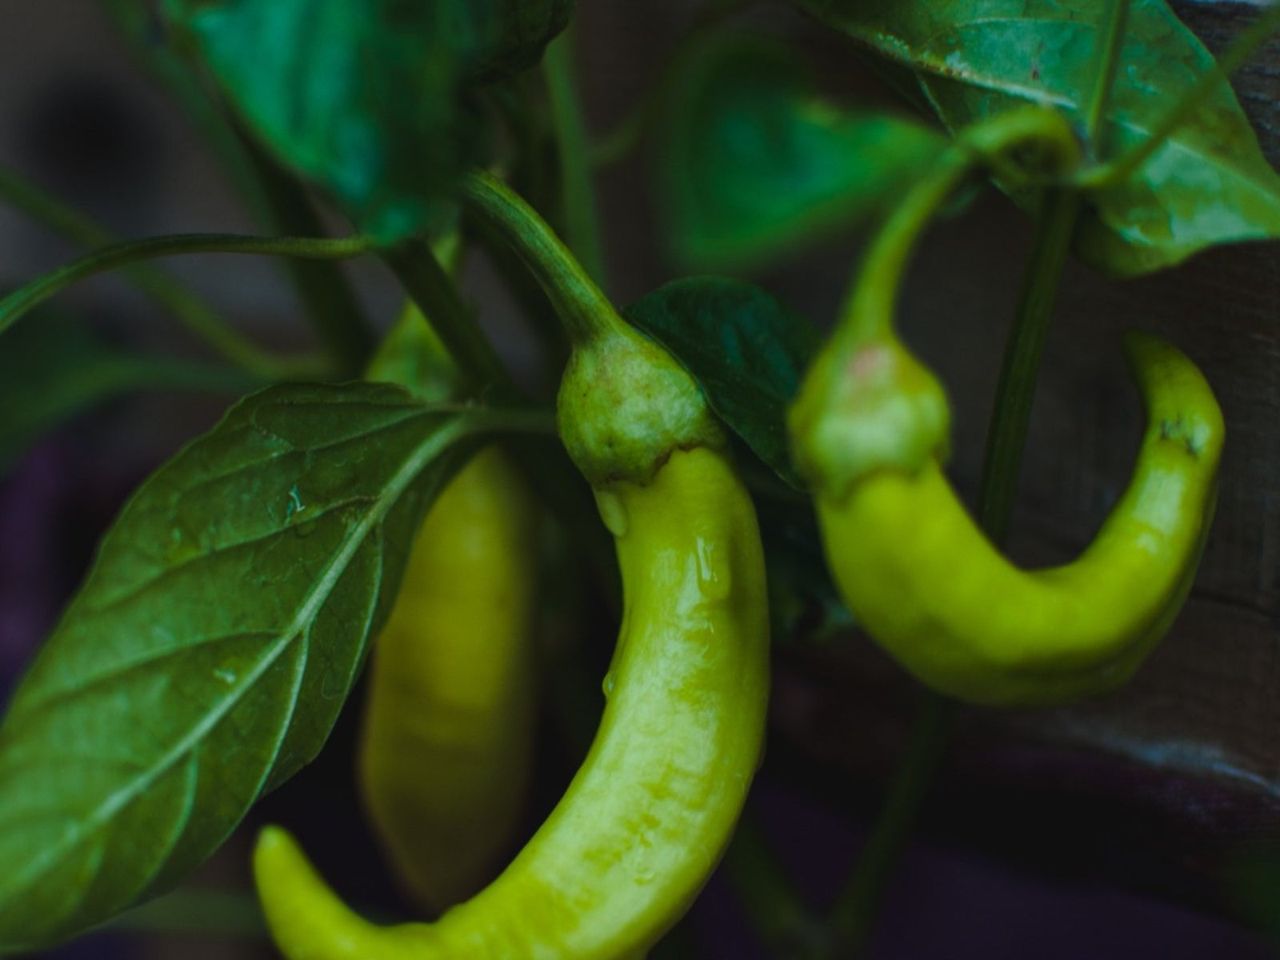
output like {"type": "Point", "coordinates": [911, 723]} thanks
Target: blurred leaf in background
{"type": "Point", "coordinates": [1208, 184]}
{"type": "Point", "coordinates": [754, 163]}
{"type": "Point", "coordinates": [369, 98]}
{"type": "Point", "coordinates": [745, 349]}
{"type": "Point", "coordinates": [54, 367]}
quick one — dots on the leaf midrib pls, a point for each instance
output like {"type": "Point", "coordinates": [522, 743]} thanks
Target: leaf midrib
{"type": "Point", "coordinates": [427, 451]}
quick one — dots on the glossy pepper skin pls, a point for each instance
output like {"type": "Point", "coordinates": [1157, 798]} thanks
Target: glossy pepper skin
{"type": "Point", "coordinates": [654, 804]}
{"type": "Point", "coordinates": [925, 582]}
{"type": "Point", "coordinates": [447, 740]}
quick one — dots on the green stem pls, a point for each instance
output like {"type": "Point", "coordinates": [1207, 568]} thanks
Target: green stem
{"type": "Point", "coordinates": [1011, 415]}
{"type": "Point", "coordinates": [780, 920]}
{"type": "Point", "coordinates": [853, 915]}
{"type": "Point", "coordinates": [434, 293]}
{"type": "Point", "coordinates": [277, 198]}
{"type": "Point", "coordinates": [199, 318]}
{"type": "Point", "coordinates": [577, 195]}
{"type": "Point", "coordinates": [524, 288]}
{"type": "Point", "coordinates": [324, 291]}
{"type": "Point", "coordinates": [585, 311]}
{"type": "Point", "coordinates": [1106, 61]}
{"type": "Point", "coordinates": [1121, 168]}
{"type": "Point", "coordinates": [118, 255]}
{"type": "Point", "coordinates": [869, 308]}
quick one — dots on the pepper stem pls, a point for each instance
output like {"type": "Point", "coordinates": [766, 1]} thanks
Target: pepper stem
{"type": "Point", "coordinates": [869, 306]}
{"type": "Point", "coordinates": [582, 307]}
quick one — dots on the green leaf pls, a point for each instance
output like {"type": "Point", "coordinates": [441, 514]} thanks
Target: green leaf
{"type": "Point", "coordinates": [367, 97]}
{"type": "Point", "coordinates": [210, 649]}
{"type": "Point", "coordinates": [516, 33]}
{"type": "Point", "coordinates": [1208, 184]}
{"type": "Point", "coordinates": [745, 349]}
{"type": "Point", "coordinates": [54, 367]}
{"type": "Point", "coordinates": [755, 163]}
{"type": "Point", "coordinates": [804, 604]}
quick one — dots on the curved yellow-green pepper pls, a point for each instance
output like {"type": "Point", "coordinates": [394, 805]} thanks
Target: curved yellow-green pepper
{"type": "Point", "coordinates": [654, 804]}
{"type": "Point", "coordinates": [446, 743]}
{"type": "Point", "coordinates": [447, 738]}
{"type": "Point", "coordinates": [927, 585]}
{"type": "Point", "coordinates": [869, 428]}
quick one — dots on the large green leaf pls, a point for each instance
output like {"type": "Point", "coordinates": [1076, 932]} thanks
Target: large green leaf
{"type": "Point", "coordinates": [1208, 184]}
{"type": "Point", "coordinates": [208, 653]}
{"type": "Point", "coordinates": [755, 163]}
{"type": "Point", "coordinates": [367, 96]}
{"type": "Point", "coordinates": [746, 350]}
{"type": "Point", "coordinates": [53, 367]}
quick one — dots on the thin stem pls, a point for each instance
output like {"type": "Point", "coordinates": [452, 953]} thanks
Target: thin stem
{"type": "Point", "coordinates": [854, 913]}
{"type": "Point", "coordinates": [780, 920]}
{"type": "Point", "coordinates": [869, 308]}
{"type": "Point", "coordinates": [584, 310]}
{"type": "Point", "coordinates": [1015, 394]}
{"type": "Point", "coordinates": [434, 293]}
{"type": "Point", "coordinates": [577, 195]}
{"type": "Point", "coordinates": [1120, 169]}
{"type": "Point", "coordinates": [326, 295]}
{"type": "Point", "coordinates": [1106, 62]}
{"type": "Point", "coordinates": [36, 292]}
{"type": "Point", "coordinates": [278, 199]}
{"type": "Point", "coordinates": [194, 313]}
{"type": "Point", "coordinates": [870, 305]}
{"type": "Point", "coordinates": [526, 291]}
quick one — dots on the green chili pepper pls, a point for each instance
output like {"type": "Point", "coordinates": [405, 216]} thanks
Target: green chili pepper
{"type": "Point", "coordinates": [651, 810]}
{"type": "Point", "coordinates": [869, 429]}
{"type": "Point", "coordinates": [447, 740]}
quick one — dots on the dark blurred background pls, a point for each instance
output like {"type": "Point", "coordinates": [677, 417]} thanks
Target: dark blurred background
{"type": "Point", "coordinates": [1048, 837]}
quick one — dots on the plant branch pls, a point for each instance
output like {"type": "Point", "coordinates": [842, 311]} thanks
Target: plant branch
{"type": "Point", "coordinates": [780, 920]}
{"type": "Point", "coordinates": [189, 309]}
{"type": "Point", "coordinates": [869, 307]}
{"type": "Point", "coordinates": [124, 254]}
{"type": "Point", "coordinates": [577, 195]}
{"type": "Point", "coordinates": [1015, 394]}
{"type": "Point", "coordinates": [853, 915]}
{"type": "Point", "coordinates": [583, 309]}
{"type": "Point", "coordinates": [323, 290]}
{"type": "Point", "coordinates": [434, 293]}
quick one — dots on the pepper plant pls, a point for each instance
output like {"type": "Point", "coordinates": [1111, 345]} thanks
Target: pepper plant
{"type": "Point", "coordinates": [404, 492]}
